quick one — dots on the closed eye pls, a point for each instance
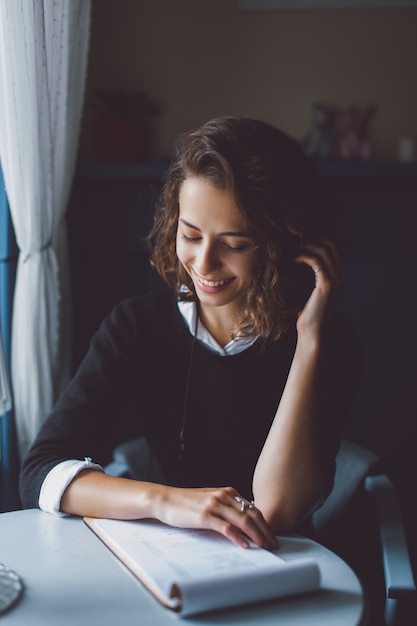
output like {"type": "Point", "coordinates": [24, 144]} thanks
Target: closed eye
{"type": "Point", "coordinates": [190, 239]}
{"type": "Point", "coordinates": [239, 248]}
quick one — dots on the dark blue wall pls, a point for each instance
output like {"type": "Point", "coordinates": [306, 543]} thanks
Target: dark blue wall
{"type": "Point", "coordinates": [8, 261]}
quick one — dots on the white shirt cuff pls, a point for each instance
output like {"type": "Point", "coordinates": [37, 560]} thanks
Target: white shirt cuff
{"type": "Point", "coordinates": [58, 480]}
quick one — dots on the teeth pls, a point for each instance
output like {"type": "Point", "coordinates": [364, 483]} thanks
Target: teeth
{"type": "Point", "coordinates": [212, 283]}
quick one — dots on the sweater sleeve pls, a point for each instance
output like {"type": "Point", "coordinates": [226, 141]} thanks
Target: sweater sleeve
{"type": "Point", "coordinates": [94, 414]}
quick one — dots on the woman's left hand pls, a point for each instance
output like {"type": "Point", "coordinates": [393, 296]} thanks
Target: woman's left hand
{"type": "Point", "coordinates": [325, 262]}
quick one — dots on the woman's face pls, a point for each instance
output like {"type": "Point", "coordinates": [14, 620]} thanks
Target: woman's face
{"type": "Point", "coordinates": [214, 243]}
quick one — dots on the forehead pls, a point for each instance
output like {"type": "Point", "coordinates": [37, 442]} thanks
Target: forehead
{"type": "Point", "coordinates": [202, 202]}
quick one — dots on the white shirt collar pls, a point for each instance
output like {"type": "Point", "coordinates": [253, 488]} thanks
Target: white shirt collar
{"type": "Point", "coordinates": [188, 311]}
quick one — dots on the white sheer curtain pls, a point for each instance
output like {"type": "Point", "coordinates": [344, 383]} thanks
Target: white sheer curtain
{"type": "Point", "coordinates": [43, 59]}
{"type": "Point", "coordinates": [5, 393]}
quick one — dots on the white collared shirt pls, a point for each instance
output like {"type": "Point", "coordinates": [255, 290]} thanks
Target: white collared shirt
{"type": "Point", "coordinates": [189, 312]}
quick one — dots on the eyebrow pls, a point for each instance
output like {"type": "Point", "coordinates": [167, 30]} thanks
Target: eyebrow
{"type": "Point", "coordinates": [231, 233]}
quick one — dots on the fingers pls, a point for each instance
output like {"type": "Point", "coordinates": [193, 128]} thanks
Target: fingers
{"type": "Point", "coordinates": [220, 509]}
{"type": "Point", "coordinates": [253, 526]}
{"type": "Point", "coordinates": [240, 521]}
{"type": "Point", "coordinates": [324, 260]}
{"type": "Point", "coordinates": [245, 504]}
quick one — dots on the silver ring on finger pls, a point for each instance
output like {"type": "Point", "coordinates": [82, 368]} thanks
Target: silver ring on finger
{"type": "Point", "coordinates": [245, 504]}
{"type": "Point", "coordinates": [317, 269]}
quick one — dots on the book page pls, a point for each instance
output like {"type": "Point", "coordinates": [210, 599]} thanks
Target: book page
{"type": "Point", "coordinates": [198, 570]}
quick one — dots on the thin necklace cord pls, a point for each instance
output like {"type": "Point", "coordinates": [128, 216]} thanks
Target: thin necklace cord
{"type": "Point", "coordinates": [187, 388]}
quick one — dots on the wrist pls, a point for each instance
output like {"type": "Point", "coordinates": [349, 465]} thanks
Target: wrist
{"type": "Point", "coordinates": [143, 497]}
{"type": "Point", "coordinates": [156, 500]}
{"type": "Point", "coordinates": [309, 344]}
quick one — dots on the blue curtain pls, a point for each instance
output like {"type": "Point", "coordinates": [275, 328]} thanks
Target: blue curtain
{"type": "Point", "coordinates": [9, 462]}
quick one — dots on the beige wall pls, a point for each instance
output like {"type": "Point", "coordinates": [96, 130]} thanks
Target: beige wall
{"type": "Point", "coordinates": [201, 58]}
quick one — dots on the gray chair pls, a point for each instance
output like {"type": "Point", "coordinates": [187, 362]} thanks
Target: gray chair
{"type": "Point", "coordinates": [135, 459]}
{"type": "Point", "coordinates": [363, 492]}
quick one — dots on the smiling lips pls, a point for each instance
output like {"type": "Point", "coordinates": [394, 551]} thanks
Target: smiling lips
{"type": "Point", "coordinates": [212, 283]}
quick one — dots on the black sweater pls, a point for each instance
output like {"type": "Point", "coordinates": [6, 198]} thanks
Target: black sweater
{"type": "Point", "coordinates": [132, 383]}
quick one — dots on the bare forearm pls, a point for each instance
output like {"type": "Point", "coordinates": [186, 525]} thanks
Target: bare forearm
{"type": "Point", "coordinates": [288, 479]}
{"type": "Point", "coordinates": [96, 494]}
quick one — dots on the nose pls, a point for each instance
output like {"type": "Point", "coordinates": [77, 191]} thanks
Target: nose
{"type": "Point", "coordinates": [207, 258]}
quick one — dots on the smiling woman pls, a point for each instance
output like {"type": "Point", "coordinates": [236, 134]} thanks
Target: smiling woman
{"type": "Point", "coordinates": [240, 375]}
{"type": "Point", "coordinates": [216, 249]}
{"type": "Point", "coordinates": [253, 185]}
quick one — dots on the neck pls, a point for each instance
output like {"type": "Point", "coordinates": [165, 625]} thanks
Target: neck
{"type": "Point", "coordinates": [218, 322]}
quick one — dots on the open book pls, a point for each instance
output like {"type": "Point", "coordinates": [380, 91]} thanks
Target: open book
{"type": "Point", "coordinates": [194, 571]}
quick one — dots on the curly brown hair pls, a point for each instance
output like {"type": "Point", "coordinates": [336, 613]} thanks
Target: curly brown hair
{"type": "Point", "coordinates": [277, 188]}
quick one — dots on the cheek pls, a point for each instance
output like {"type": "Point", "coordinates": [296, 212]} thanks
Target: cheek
{"type": "Point", "coordinates": [178, 246]}
{"type": "Point", "coordinates": [245, 267]}
{"type": "Point", "coordinates": [181, 250]}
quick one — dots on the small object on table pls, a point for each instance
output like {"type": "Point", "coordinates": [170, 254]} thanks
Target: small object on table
{"type": "Point", "coordinates": [11, 588]}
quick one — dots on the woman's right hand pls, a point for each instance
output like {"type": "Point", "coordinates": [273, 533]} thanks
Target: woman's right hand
{"type": "Point", "coordinates": [215, 509]}
{"type": "Point", "coordinates": [95, 494]}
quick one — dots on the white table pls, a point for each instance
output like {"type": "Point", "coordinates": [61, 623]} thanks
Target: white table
{"type": "Point", "coordinates": [71, 578]}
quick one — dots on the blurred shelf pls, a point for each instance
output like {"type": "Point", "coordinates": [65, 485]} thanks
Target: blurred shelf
{"type": "Point", "coordinates": [122, 171]}
{"type": "Point", "coordinates": [368, 169]}
{"type": "Point", "coordinates": [328, 169]}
